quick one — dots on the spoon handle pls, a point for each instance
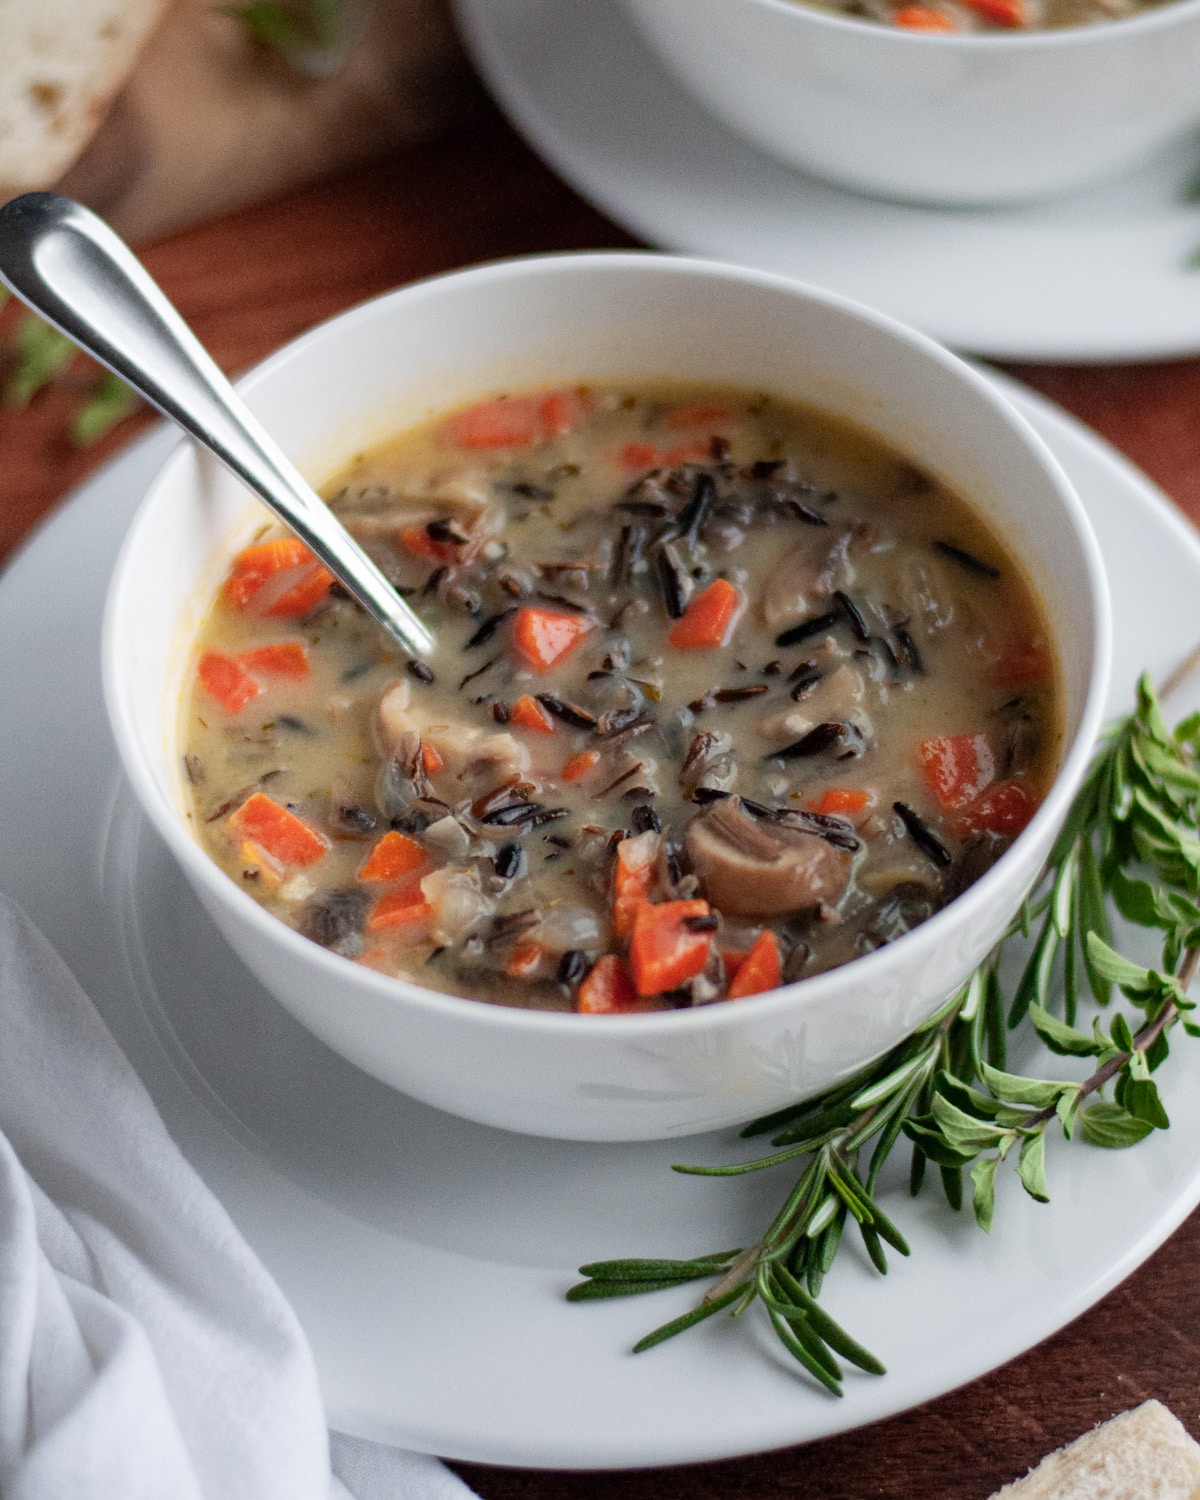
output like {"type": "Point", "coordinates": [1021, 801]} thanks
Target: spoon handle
{"type": "Point", "coordinates": [70, 267]}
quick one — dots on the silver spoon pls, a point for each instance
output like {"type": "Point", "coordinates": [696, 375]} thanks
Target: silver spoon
{"type": "Point", "coordinates": [71, 268]}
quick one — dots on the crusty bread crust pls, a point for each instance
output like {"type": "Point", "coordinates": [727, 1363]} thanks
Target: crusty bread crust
{"type": "Point", "coordinates": [1143, 1454]}
{"type": "Point", "coordinates": [62, 63]}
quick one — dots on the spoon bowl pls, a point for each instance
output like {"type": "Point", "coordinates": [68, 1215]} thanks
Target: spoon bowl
{"type": "Point", "coordinates": [70, 268]}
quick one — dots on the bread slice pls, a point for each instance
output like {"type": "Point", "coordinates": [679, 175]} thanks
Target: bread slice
{"type": "Point", "coordinates": [1143, 1454]}
{"type": "Point", "coordinates": [62, 63]}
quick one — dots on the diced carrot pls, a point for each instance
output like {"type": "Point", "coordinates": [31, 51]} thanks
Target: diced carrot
{"type": "Point", "coordinates": [430, 759]}
{"type": "Point", "coordinates": [922, 18]}
{"type": "Point", "coordinates": [579, 765]}
{"type": "Point", "coordinates": [406, 908]}
{"type": "Point", "coordinates": [733, 962]}
{"type": "Point", "coordinates": [635, 457]}
{"type": "Point", "coordinates": [516, 421]}
{"type": "Point", "coordinates": [1005, 808]}
{"type": "Point", "coordinates": [524, 961]}
{"type": "Point", "coordinates": [1000, 12]}
{"type": "Point", "coordinates": [663, 952]}
{"type": "Point", "coordinates": [289, 659]}
{"type": "Point", "coordinates": [528, 713]}
{"type": "Point", "coordinates": [607, 990]}
{"type": "Point", "coordinates": [698, 414]}
{"type": "Point", "coordinates": [395, 854]}
{"type": "Point", "coordinates": [562, 411]}
{"type": "Point", "coordinates": [760, 970]}
{"type": "Point", "coordinates": [418, 540]}
{"type": "Point", "coordinates": [839, 802]}
{"type": "Point", "coordinates": [280, 578]}
{"type": "Point", "coordinates": [543, 636]}
{"type": "Point", "coordinates": [1021, 662]}
{"type": "Point", "coordinates": [957, 768]}
{"type": "Point", "coordinates": [635, 876]}
{"type": "Point", "coordinates": [709, 618]}
{"type": "Point", "coordinates": [280, 832]}
{"type": "Point", "coordinates": [226, 681]}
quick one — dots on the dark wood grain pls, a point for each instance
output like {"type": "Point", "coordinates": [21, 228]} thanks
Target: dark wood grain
{"type": "Point", "coordinates": [252, 280]}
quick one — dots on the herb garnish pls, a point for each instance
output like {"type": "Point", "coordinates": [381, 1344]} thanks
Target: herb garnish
{"type": "Point", "coordinates": [311, 35]}
{"type": "Point", "coordinates": [37, 356]}
{"type": "Point", "coordinates": [1129, 839]}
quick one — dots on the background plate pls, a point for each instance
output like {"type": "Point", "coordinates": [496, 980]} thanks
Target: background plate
{"type": "Point", "coordinates": [1099, 276]}
{"type": "Point", "coordinates": [427, 1257]}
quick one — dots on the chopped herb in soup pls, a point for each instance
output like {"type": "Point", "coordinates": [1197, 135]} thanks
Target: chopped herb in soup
{"type": "Point", "coordinates": [966, 16]}
{"type": "Point", "coordinates": [726, 693]}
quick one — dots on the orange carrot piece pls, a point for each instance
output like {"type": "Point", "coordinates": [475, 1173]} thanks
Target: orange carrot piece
{"type": "Point", "coordinates": [1004, 808]}
{"type": "Point", "coordinates": [607, 990]}
{"type": "Point", "coordinates": [562, 411]}
{"type": "Point", "coordinates": [289, 659]}
{"type": "Point", "coordinates": [695, 452]}
{"type": "Point", "coordinates": [1000, 12]}
{"type": "Point", "coordinates": [635, 875]}
{"type": "Point", "coordinates": [418, 540]}
{"type": "Point", "coordinates": [226, 681]}
{"type": "Point", "coordinates": [404, 908]}
{"type": "Point", "coordinates": [635, 457]}
{"type": "Point", "coordinates": [698, 414]}
{"type": "Point", "coordinates": [544, 637]}
{"type": "Point", "coordinates": [517, 421]}
{"type": "Point", "coordinates": [839, 802]}
{"type": "Point", "coordinates": [280, 832]}
{"type": "Point", "coordinates": [395, 854]}
{"type": "Point", "coordinates": [524, 961]}
{"type": "Point", "coordinates": [528, 713]}
{"type": "Point", "coordinates": [957, 767]}
{"type": "Point", "coordinates": [760, 969]}
{"type": "Point", "coordinates": [505, 422]}
{"type": "Point", "coordinates": [709, 618]}
{"type": "Point", "coordinates": [430, 759]}
{"type": "Point", "coordinates": [1021, 662]}
{"type": "Point", "coordinates": [922, 18]}
{"type": "Point", "coordinates": [733, 962]}
{"type": "Point", "coordinates": [579, 765]}
{"type": "Point", "coordinates": [279, 577]}
{"type": "Point", "coordinates": [663, 953]}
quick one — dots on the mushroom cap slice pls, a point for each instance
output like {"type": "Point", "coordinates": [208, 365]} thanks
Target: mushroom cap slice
{"type": "Point", "coordinates": [750, 868]}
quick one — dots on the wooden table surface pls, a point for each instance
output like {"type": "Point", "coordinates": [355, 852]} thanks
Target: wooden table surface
{"type": "Point", "coordinates": [250, 281]}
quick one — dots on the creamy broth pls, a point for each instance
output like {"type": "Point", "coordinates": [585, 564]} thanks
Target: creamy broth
{"type": "Point", "coordinates": [967, 16]}
{"type": "Point", "coordinates": [726, 694]}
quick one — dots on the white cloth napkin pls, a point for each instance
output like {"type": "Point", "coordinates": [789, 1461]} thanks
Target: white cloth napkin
{"type": "Point", "coordinates": [145, 1353]}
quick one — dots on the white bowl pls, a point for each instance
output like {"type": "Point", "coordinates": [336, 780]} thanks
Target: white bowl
{"type": "Point", "coordinates": [990, 118]}
{"type": "Point", "coordinates": [578, 318]}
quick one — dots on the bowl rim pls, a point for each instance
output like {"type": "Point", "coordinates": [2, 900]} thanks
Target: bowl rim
{"type": "Point", "coordinates": [639, 1026]}
{"type": "Point", "coordinates": [1165, 15]}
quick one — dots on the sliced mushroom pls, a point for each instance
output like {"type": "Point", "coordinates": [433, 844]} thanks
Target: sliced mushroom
{"type": "Point", "coordinates": [465, 501]}
{"type": "Point", "coordinates": [470, 756]}
{"type": "Point", "coordinates": [838, 696]}
{"type": "Point", "coordinates": [751, 868]}
{"type": "Point", "coordinates": [805, 578]}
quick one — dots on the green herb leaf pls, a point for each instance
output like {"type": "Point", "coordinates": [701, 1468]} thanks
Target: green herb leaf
{"type": "Point", "coordinates": [111, 402]}
{"type": "Point", "coordinates": [42, 353]}
{"type": "Point", "coordinates": [1108, 1125]}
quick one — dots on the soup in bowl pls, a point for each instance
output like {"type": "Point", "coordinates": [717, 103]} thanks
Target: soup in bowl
{"type": "Point", "coordinates": [771, 648]}
{"type": "Point", "coordinates": [929, 112]}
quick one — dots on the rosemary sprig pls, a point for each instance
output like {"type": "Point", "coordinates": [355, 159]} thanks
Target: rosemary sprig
{"type": "Point", "coordinates": [1129, 841]}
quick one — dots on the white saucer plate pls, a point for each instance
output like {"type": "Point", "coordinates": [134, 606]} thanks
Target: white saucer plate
{"type": "Point", "coordinates": [1102, 275]}
{"type": "Point", "coordinates": [426, 1257]}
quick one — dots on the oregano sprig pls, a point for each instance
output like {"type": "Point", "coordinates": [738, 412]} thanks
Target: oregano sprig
{"type": "Point", "coordinates": [1129, 843]}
